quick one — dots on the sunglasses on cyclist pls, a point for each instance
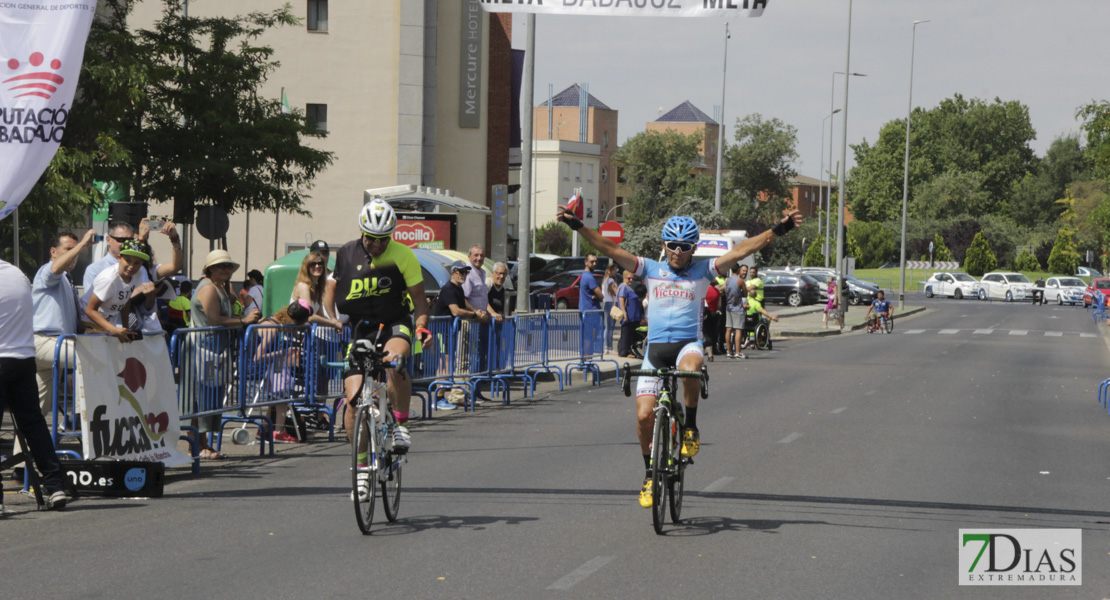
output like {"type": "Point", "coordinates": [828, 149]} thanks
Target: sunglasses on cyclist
{"type": "Point", "coordinates": [376, 238]}
{"type": "Point", "coordinates": [679, 246]}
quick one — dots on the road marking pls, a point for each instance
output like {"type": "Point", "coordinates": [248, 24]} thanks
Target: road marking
{"type": "Point", "coordinates": [1018, 332]}
{"type": "Point", "coordinates": [1088, 335]}
{"type": "Point", "coordinates": [1054, 334]}
{"type": "Point", "coordinates": [871, 392]}
{"type": "Point", "coordinates": [790, 438]}
{"type": "Point", "coordinates": [913, 331]}
{"type": "Point", "coordinates": [948, 331]}
{"type": "Point", "coordinates": [718, 485]}
{"type": "Point", "coordinates": [576, 576]}
{"type": "Point", "coordinates": [984, 331]}
{"type": "Point", "coordinates": [837, 411]}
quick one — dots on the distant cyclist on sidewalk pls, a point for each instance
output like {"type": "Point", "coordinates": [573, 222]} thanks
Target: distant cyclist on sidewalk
{"type": "Point", "coordinates": [676, 292]}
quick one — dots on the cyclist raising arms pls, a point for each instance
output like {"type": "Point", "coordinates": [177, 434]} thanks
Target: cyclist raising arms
{"type": "Point", "coordinates": [676, 291]}
{"type": "Point", "coordinates": [375, 279]}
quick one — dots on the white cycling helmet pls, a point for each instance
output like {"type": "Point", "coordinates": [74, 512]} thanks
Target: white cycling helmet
{"type": "Point", "coordinates": [377, 218]}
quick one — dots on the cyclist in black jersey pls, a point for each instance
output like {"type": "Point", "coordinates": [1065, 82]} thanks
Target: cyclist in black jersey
{"type": "Point", "coordinates": [376, 278]}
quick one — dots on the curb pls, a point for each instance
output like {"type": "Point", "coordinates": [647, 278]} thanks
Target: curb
{"type": "Point", "coordinates": [828, 332]}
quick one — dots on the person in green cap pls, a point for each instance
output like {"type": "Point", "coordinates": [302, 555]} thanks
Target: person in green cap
{"type": "Point", "coordinates": [107, 306]}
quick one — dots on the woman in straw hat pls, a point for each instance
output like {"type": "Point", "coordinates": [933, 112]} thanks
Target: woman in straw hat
{"type": "Point", "coordinates": [212, 307]}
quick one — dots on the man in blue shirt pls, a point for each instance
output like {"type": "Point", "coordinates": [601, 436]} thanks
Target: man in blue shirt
{"type": "Point", "coordinates": [55, 304]}
{"type": "Point", "coordinates": [589, 293]}
{"type": "Point", "coordinates": [879, 308]}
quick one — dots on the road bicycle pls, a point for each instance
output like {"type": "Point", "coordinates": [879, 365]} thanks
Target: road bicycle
{"type": "Point", "coordinates": [886, 324]}
{"type": "Point", "coordinates": [668, 466]}
{"type": "Point", "coordinates": [374, 423]}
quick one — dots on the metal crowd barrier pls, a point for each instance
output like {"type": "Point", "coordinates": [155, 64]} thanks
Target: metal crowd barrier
{"type": "Point", "coordinates": [564, 340]}
{"type": "Point", "coordinates": [592, 342]}
{"type": "Point", "coordinates": [205, 362]}
{"type": "Point", "coordinates": [273, 367]}
{"type": "Point", "coordinates": [498, 373]}
{"type": "Point", "coordinates": [64, 423]}
{"type": "Point", "coordinates": [433, 366]}
{"type": "Point", "coordinates": [529, 351]}
{"type": "Point", "coordinates": [323, 382]}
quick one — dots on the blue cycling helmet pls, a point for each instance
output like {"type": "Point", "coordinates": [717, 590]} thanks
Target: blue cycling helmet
{"type": "Point", "coordinates": [681, 229]}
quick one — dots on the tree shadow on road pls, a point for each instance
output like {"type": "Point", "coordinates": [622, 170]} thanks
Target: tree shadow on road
{"type": "Point", "coordinates": [411, 525]}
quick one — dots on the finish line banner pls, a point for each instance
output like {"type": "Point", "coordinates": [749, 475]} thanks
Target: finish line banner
{"type": "Point", "coordinates": [42, 44]}
{"type": "Point", "coordinates": [631, 8]}
{"type": "Point", "coordinates": [127, 399]}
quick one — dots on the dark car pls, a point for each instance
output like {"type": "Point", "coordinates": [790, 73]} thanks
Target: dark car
{"type": "Point", "coordinates": [860, 291]}
{"type": "Point", "coordinates": [568, 263]}
{"type": "Point", "coordinates": [558, 287]}
{"type": "Point", "coordinates": [795, 289]}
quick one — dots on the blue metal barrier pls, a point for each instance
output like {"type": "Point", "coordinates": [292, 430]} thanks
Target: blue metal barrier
{"type": "Point", "coordinates": [324, 382]}
{"type": "Point", "coordinates": [564, 339]}
{"type": "Point", "coordinates": [529, 351]}
{"type": "Point", "coordinates": [433, 366]}
{"type": "Point", "coordinates": [273, 363]}
{"type": "Point", "coordinates": [499, 373]}
{"type": "Point", "coordinates": [65, 419]}
{"type": "Point", "coordinates": [592, 346]}
{"type": "Point", "coordinates": [205, 361]}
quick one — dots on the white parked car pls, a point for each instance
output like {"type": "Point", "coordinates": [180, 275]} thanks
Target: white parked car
{"type": "Point", "coordinates": [1005, 286]}
{"type": "Point", "coordinates": [1063, 290]}
{"type": "Point", "coordinates": [954, 285]}
{"type": "Point", "coordinates": [1086, 272]}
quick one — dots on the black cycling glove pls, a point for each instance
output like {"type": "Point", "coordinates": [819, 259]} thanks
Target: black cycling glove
{"type": "Point", "coordinates": [783, 227]}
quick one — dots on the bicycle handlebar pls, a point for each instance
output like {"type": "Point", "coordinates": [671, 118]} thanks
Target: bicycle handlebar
{"type": "Point", "coordinates": [627, 372]}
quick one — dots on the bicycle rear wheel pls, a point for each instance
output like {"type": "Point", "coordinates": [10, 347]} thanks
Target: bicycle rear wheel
{"type": "Point", "coordinates": [660, 455]}
{"type": "Point", "coordinates": [390, 475]}
{"type": "Point", "coordinates": [888, 323]}
{"type": "Point", "coordinates": [364, 437]}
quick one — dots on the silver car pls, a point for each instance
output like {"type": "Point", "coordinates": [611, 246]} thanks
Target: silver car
{"type": "Point", "coordinates": [954, 285]}
{"type": "Point", "coordinates": [1064, 290]}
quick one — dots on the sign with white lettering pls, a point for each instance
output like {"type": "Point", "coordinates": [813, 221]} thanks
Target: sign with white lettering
{"type": "Point", "coordinates": [127, 399]}
{"type": "Point", "coordinates": [429, 231]}
{"type": "Point", "coordinates": [632, 8]}
{"type": "Point", "coordinates": [470, 66]}
{"type": "Point", "coordinates": [42, 45]}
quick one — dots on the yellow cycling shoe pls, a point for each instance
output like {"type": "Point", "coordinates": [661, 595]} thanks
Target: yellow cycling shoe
{"type": "Point", "coordinates": [691, 443]}
{"type": "Point", "coordinates": [645, 494]}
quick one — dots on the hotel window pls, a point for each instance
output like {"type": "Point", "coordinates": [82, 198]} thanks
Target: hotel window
{"type": "Point", "coordinates": [317, 15]}
{"type": "Point", "coordinates": [578, 171]}
{"type": "Point", "coordinates": [566, 170]}
{"type": "Point", "coordinates": [590, 173]}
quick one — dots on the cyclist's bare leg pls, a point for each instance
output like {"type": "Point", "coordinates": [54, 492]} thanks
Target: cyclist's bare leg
{"type": "Point", "coordinates": [691, 387]}
{"type": "Point", "coordinates": [645, 421]}
{"type": "Point", "coordinates": [350, 387]}
{"type": "Point", "coordinates": [400, 386]}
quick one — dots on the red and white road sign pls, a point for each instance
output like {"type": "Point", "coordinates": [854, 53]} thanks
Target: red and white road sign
{"type": "Point", "coordinates": [612, 231]}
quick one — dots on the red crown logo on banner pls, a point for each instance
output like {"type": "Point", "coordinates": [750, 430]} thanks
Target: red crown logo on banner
{"type": "Point", "coordinates": [39, 83]}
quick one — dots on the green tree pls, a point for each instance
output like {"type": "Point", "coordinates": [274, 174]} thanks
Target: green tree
{"type": "Point", "coordinates": [940, 250]}
{"type": "Point", "coordinates": [1064, 259]}
{"type": "Point", "coordinates": [958, 136]}
{"type": "Point", "coordinates": [815, 257]}
{"type": "Point", "coordinates": [1034, 196]}
{"type": "Point", "coordinates": [760, 164]}
{"type": "Point", "coordinates": [980, 258]}
{"type": "Point", "coordinates": [876, 243]}
{"type": "Point", "coordinates": [658, 167]}
{"type": "Point", "coordinates": [851, 248]}
{"type": "Point", "coordinates": [1096, 126]}
{"type": "Point", "coordinates": [553, 238]}
{"type": "Point", "coordinates": [1025, 261]}
{"type": "Point", "coordinates": [950, 194]}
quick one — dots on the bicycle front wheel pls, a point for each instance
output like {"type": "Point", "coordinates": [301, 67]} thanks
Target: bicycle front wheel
{"type": "Point", "coordinates": [660, 455]}
{"type": "Point", "coordinates": [888, 323]}
{"type": "Point", "coordinates": [362, 477]}
{"type": "Point", "coordinates": [390, 475]}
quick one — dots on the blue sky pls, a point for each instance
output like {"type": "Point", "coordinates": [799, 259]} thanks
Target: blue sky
{"type": "Point", "coordinates": [1049, 55]}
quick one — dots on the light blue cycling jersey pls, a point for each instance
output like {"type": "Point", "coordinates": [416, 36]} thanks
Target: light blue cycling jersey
{"type": "Point", "coordinates": [675, 300]}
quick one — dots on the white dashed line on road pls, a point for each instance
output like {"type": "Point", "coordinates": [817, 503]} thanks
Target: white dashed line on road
{"type": "Point", "coordinates": [790, 438]}
{"type": "Point", "coordinates": [1018, 332]}
{"type": "Point", "coordinates": [913, 331]}
{"type": "Point", "coordinates": [718, 485]}
{"type": "Point", "coordinates": [984, 331]}
{"type": "Point", "coordinates": [872, 392]}
{"type": "Point", "coordinates": [837, 411]}
{"type": "Point", "coordinates": [576, 576]}
{"type": "Point", "coordinates": [1087, 335]}
{"type": "Point", "coordinates": [948, 331]}
{"type": "Point", "coordinates": [1054, 333]}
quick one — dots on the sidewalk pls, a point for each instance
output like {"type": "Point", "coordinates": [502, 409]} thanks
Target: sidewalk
{"type": "Point", "coordinates": [805, 321]}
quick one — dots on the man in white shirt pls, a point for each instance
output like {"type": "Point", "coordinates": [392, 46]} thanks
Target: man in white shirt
{"type": "Point", "coordinates": [477, 294]}
{"type": "Point", "coordinates": [17, 380]}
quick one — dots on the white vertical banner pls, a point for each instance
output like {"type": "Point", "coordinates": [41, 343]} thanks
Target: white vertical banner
{"type": "Point", "coordinates": [127, 400]}
{"type": "Point", "coordinates": [42, 45]}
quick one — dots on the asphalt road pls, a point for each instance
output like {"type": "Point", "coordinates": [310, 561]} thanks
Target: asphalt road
{"type": "Point", "coordinates": [838, 467]}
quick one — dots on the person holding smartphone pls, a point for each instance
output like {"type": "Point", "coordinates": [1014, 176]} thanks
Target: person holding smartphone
{"type": "Point", "coordinates": [108, 305]}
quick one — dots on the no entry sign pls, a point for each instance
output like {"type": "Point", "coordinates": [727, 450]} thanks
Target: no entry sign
{"type": "Point", "coordinates": [612, 231]}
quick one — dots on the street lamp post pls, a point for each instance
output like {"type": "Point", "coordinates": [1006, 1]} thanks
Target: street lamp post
{"type": "Point", "coordinates": [832, 91]}
{"type": "Point", "coordinates": [843, 167]}
{"type": "Point", "coordinates": [906, 176]}
{"type": "Point", "coordinates": [721, 128]}
{"type": "Point", "coordinates": [828, 196]}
